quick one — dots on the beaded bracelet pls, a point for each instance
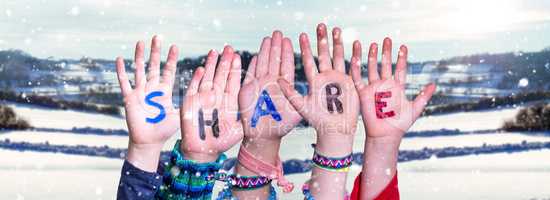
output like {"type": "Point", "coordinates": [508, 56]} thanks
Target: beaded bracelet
{"type": "Point", "coordinates": [187, 179]}
{"type": "Point", "coordinates": [340, 164]}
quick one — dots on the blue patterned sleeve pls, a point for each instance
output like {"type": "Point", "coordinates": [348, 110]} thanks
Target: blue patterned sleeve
{"type": "Point", "coordinates": [137, 184]}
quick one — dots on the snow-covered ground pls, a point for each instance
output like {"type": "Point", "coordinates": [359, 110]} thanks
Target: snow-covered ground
{"type": "Point", "coordinates": [466, 121]}
{"type": "Point", "coordinates": [30, 175]}
{"type": "Point", "coordinates": [33, 175]}
{"type": "Point", "coordinates": [66, 119]}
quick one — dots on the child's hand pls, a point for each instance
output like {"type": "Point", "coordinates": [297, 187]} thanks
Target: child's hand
{"type": "Point", "coordinates": [209, 111]}
{"type": "Point", "coordinates": [331, 105]}
{"type": "Point", "coordinates": [387, 114]}
{"type": "Point", "coordinates": [266, 113]}
{"type": "Point", "coordinates": [150, 115]}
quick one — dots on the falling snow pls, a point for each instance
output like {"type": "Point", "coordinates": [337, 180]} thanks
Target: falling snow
{"type": "Point", "coordinates": [75, 11]}
{"type": "Point", "coordinates": [112, 34]}
{"type": "Point", "coordinates": [523, 82]}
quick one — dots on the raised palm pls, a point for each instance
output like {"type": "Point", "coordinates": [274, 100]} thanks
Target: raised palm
{"type": "Point", "coordinates": [150, 114]}
{"type": "Point", "coordinates": [275, 60]}
{"type": "Point", "coordinates": [385, 108]}
{"type": "Point", "coordinates": [209, 111]}
{"type": "Point", "coordinates": [331, 105]}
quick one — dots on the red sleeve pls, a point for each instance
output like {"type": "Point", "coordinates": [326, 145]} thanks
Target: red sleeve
{"type": "Point", "coordinates": [391, 192]}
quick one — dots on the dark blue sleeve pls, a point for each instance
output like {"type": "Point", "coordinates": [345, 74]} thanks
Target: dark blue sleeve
{"type": "Point", "coordinates": [137, 184]}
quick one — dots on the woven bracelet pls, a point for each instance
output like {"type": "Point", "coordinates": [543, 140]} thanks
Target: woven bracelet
{"type": "Point", "coordinates": [188, 179]}
{"type": "Point", "coordinates": [248, 182]}
{"type": "Point", "coordinates": [340, 164]}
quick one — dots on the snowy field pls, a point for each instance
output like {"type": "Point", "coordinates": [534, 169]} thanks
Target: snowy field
{"type": "Point", "coordinates": [525, 175]}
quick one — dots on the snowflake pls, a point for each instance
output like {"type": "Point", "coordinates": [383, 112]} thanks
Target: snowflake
{"type": "Point", "coordinates": [298, 15]}
{"type": "Point", "coordinates": [28, 41]}
{"type": "Point", "coordinates": [524, 82]}
{"type": "Point", "coordinates": [217, 24]}
{"type": "Point", "coordinates": [75, 11]}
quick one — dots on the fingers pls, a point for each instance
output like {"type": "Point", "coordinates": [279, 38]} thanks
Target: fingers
{"type": "Point", "coordinates": [222, 71]}
{"type": "Point", "coordinates": [356, 66]}
{"type": "Point", "coordinates": [153, 75]}
{"type": "Point", "coordinates": [123, 81]}
{"type": "Point", "coordinates": [323, 48]}
{"type": "Point", "coordinates": [293, 96]}
{"type": "Point", "coordinates": [338, 51]}
{"type": "Point", "coordinates": [195, 81]}
{"type": "Point", "coordinates": [210, 68]}
{"type": "Point", "coordinates": [422, 99]}
{"type": "Point", "coordinates": [385, 72]}
{"type": "Point", "coordinates": [234, 79]}
{"type": "Point", "coordinates": [251, 72]}
{"type": "Point", "coordinates": [263, 58]}
{"type": "Point", "coordinates": [169, 73]}
{"type": "Point", "coordinates": [139, 63]}
{"type": "Point", "coordinates": [373, 63]}
{"type": "Point", "coordinates": [275, 53]}
{"type": "Point", "coordinates": [401, 66]}
{"type": "Point", "coordinates": [287, 62]}
{"type": "Point", "coordinates": [307, 58]}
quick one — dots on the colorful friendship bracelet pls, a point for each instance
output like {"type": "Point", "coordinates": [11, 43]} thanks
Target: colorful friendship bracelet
{"type": "Point", "coordinates": [178, 159]}
{"type": "Point", "coordinates": [187, 179]}
{"type": "Point", "coordinates": [226, 194]}
{"type": "Point", "coordinates": [340, 164]}
{"type": "Point", "coordinates": [248, 182]}
{"type": "Point", "coordinates": [258, 166]}
{"type": "Point", "coordinates": [241, 182]}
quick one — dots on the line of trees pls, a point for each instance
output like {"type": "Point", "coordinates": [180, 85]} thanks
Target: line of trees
{"type": "Point", "coordinates": [51, 102]}
{"type": "Point", "coordinates": [10, 120]}
{"type": "Point", "coordinates": [532, 118]}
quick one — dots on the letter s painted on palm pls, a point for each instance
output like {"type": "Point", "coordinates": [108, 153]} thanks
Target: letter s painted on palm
{"type": "Point", "coordinates": [149, 101]}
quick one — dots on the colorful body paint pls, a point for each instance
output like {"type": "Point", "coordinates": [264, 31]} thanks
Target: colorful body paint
{"type": "Point", "coordinates": [150, 102]}
{"type": "Point", "coordinates": [333, 92]}
{"type": "Point", "coordinates": [379, 104]}
{"type": "Point", "coordinates": [212, 123]}
{"type": "Point", "coordinates": [260, 111]}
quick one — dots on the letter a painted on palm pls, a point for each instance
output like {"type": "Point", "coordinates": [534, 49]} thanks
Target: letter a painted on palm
{"type": "Point", "coordinates": [270, 109]}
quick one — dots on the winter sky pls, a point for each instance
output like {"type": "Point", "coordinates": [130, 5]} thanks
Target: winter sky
{"type": "Point", "coordinates": [432, 29]}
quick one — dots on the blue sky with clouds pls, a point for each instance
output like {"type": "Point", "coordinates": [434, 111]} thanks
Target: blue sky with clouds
{"type": "Point", "coordinates": [432, 29]}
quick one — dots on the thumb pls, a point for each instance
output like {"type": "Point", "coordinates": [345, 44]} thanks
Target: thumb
{"type": "Point", "coordinates": [422, 99]}
{"type": "Point", "coordinates": [295, 98]}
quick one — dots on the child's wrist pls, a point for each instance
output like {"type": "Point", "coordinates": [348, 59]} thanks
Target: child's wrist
{"type": "Point", "coordinates": [334, 144]}
{"type": "Point", "coordinates": [200, 157]}
{"type": "Point", "coordinates": [386, 140]}
{"type": "Point", "coordinates": [382, 145]}
{"type": "Point", "coordinates": [144, 156]}
{"type": "Point", "coordinates": [265, 149]}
